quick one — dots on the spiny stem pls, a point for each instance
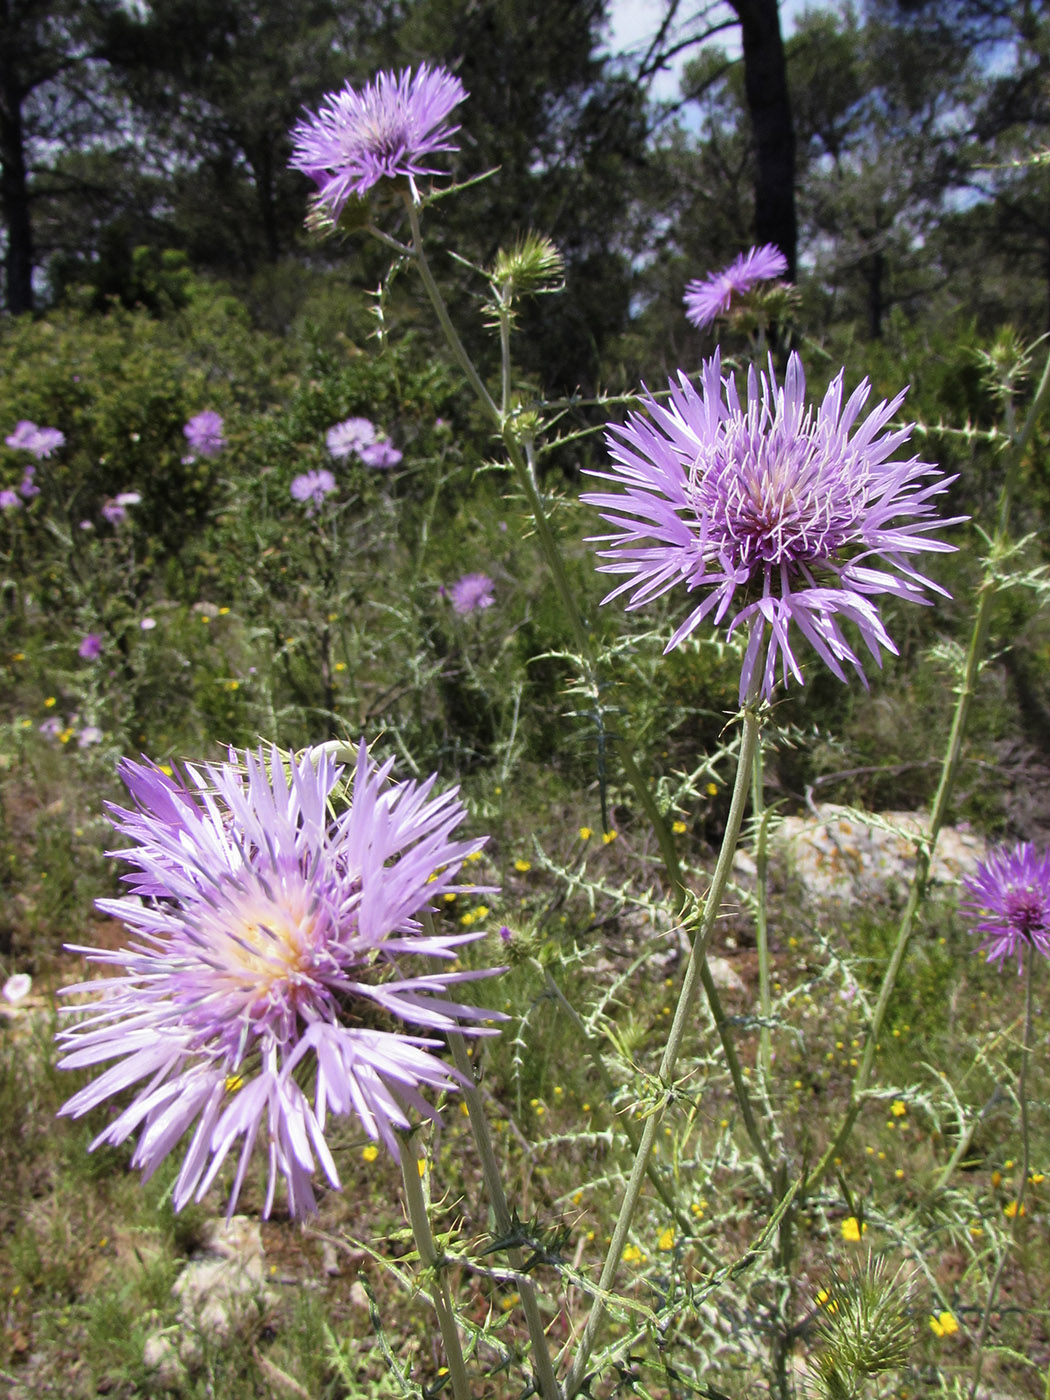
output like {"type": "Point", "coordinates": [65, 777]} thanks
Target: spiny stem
{"type": "Point", "coordinates": [683, 1018]}
{"type": "Point", "coordinates": [1022, 1094]}
{"type": "Point", "coordinates": [949, 771]}
{"type": "Point", "coordinates": [546, 1381]}
{"type": "Point", "coordinates": [428, 1255]}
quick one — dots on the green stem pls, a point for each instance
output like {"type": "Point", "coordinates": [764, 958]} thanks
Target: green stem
{"type": "Point", "coordinates": [949, 771]}
{"type": "Point", "coordinates": [685, 1225]}
{"type": "Point", "coordinates": [1022, 1094]}
{"type": "Point", "coordinates": [683, 1019]}
{"type": "Point", "coordinates": [758, 817]}
{"type": "Point", "coordinates": [437, 301]}
{"type": "Point", "coordinates": [546, 1382]}
{"type": "Point", "coordinates": [428, 1255]}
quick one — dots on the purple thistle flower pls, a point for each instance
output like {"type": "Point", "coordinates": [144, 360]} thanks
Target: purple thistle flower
{"type": "Point", "coordinates": [9, 500]}
{"type": "Point", "coordinates": [1009, 896]}
{"type": "Point", "coordinates": [350, 436]}
{"type": "Point", "coordinates": [41, 442]}
{"type": "Point", "coordinates": [471, 593]}
{"type": "Point", "coordinates": [23, 436]}
{"type": "Point", "coordinates": [263, 983]}
{"type": "Point", "coordinates": [204, 433]}
{"type": "Point", "coordinates": [380, 454]}
{"type": "Point", "coordinates": [710, 297]}
{"type": "Point", "coordinates": [90, 647]}
{"type": "Point", "coordinates": [775, 500]}
{"type": "Point", "coordinates": [313, 486]}
{"type": "Point", "coordinates": [47, 440]}
{"type": "Point", "coordinates": [389, 129]}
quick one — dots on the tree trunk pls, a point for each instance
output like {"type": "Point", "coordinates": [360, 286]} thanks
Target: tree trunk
{"type": "Point", "coordinates": [773, 131]}
{"type": "Point", "coordinates": [14, 195]}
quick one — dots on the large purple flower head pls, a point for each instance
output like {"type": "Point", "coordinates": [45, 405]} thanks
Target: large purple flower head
{"type": "Point", "coordinates": [204, 433]}
{"type": "Point", "coordinates": [276, 952]}
{"type": "Point", "coordinates": [1009, 897]}
{"type": "Point", "coordinates": [391, 128]}
{"type": "Point", "coordinates": [773, 511]}
{"type": "Point", "coordinates": [710, 297]}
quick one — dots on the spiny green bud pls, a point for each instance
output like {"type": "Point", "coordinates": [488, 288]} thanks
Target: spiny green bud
{"type": "Point", "coordinates": [865, 1329]}
{"type": "Point", "coordinates": [532, 266]}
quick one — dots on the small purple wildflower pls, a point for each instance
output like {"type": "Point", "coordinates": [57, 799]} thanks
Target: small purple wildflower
{"type": "Point", "coordinates": [204, 433]}
{"type": "Point", "coordinates": [41, 442]}
{"type": "Point", "coordinates": [23, 436]}
{"type": "Point", "coordinates": [773, 511]}
{"type": "Point", "coordinates": [27, 487]}
{"type": "Point", "coordinates": [350, 436]}
{"type": "Point", "coordinates": [90, 734]}
{"type": "Point", "coordinates": [47, 440]}
{"type": "Point", "coordinates": [113, 512]}
{"type": "Point", "coordinates": [52, 726]}
{"type": "Point", "coordinates": [471, 593]}
{"type": "Point", "coordinates": [380, 454]}
{"type": "Point", "coordinates": [710, 297]}
{"type": "Point", "coordinates": [128, 498]}
{"type": "Point", "coordinates": [90, 647]}
{"type": "Point", "coordinates": [263, 983]}
{"type": "Point", "coordinates": [313, 487]}
{"type": "Point", "coordinates": [1009, 896]}
{"type": "Point", "coordinates": [10, 500]}
{"type": "Point", "coordinates": [387, 130]}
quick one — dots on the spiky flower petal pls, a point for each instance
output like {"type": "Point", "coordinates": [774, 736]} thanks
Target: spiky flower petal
{"type": "Point", "coordinates": [390, 128]}
{"type": "Point", "coordinates": [1009, 897]}
{"type": "Point", "coordinates": [710, 297]}
{"type": "Point", "coordinates": [263, 985]}
{"type": "Point", "coordinates": [784, 516]}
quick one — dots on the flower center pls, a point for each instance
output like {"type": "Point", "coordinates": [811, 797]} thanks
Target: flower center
{"type": "Point", "coordinates": [774, 496]}
{"type": "Point", "coordinates": [1026, 910]}
{"type": "Point", "coordinates": [261, 950]}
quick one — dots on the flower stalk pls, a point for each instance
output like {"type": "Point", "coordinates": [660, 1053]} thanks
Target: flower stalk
{"type": "Point", "coordinates": [433, 1264]}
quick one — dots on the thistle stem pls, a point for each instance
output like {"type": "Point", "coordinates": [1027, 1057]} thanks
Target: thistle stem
{"type": "Point", "coordinates": [759, 818]}
{"type": "Point", "coordinates": [949, 771]}
{"type": "Point", "coordinates": [683, 1018]}
{"type": "Point", "coordinates": [546, 1381]}
{"type": "Point", "coordinates": [1022, 1095]}
{"type": "Point", "coordinates": [432, 1263]}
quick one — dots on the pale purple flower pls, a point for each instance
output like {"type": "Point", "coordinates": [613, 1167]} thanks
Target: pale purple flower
{"type": "Point", "coordinates": [114, 512]}
{"type": "Point", "coordinates": [148, 623]}
{"type": "Point", "coordinates": [23, 436]}
{"type": "Point", "coordinates": [350, 436]}
{"type": "Point", "coordinates": [274, 950]}
{"type": "Point", "coordinates": [87, 524]}
{"type": "Point", "coordinates": [390, 128]}
{"type": "Point", "coordinates": [204, 433]}
{"type": "Point", "coordinates": [1009, 897]}
{"type": "Point", "coordinates": [41, 442]}
{"type": "Point", "coordinates": [17, 987]}
{"type": "Point", "coordinates": [710, 297]}
{"type": "Point", "coordinates": [471, 593]}
{"type": "Point", "coordinates": [313, 486]}
{"type": "Point", "coordinates": [772, 511]}
{"type": "Point", "coordinates": [27, 487]}
{"type": "Point", "coordinates": [52, 726]}
{"type": "Point", "coordinates": [128, 498]}
{"type": "Point", "coordinates": [10, 500]}
{"type": "Point", "coordinates": [380, 454]}
{"type": "Point", "coordinates": [90, 647]}
{"type": "Point", "coordinates": [47, 440]}
{"type": "Point", "coordinates": [90, 734]}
